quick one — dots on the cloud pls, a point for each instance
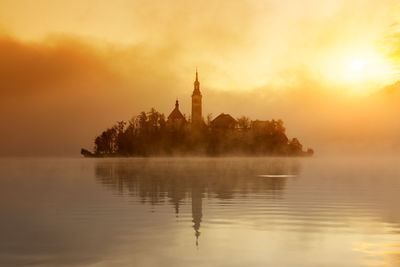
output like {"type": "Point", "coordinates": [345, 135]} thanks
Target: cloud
{"type": "Point", "coordinates": [35, 67]}
{"type": "Point", "coordinates": [392, 42]}
{"type": "Point", "coordinates": [57, 94]}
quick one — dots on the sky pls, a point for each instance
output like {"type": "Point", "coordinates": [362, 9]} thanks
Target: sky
{"type": "Point", "coordinates": [70, 69]}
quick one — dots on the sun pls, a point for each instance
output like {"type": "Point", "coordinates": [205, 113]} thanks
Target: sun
{"type": "Point", "coordinates": [357, 65]}
{"type": "Point", "coordinates": [358, 70]}
{"type": "Point", "coordinates": [371, 68]}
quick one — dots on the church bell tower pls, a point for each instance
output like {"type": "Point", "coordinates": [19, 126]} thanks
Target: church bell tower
{"type": "Point", "coordinates": [196, 103]}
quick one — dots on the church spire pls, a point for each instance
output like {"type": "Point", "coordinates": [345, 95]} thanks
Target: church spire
{"type": "Point", "coordinates": [196, 90]}
{"type": "Point", "coordinates": [196, 102]}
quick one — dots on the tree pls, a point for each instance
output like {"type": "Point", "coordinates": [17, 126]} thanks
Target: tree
{"type": "Point", "coordinates": [295, 147]}
{"type": "Point", "coordinates": [243, 122]}
{"type": "Point", "coordinates": [209, 119]}
{"type": "Point", "coordinates": [150, 134]}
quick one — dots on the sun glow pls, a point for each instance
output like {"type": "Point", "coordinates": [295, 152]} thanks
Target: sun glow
{"type": "Point", "coordinates": [357, 65]}
{"type": "Point", "coordinates": [361, 71]}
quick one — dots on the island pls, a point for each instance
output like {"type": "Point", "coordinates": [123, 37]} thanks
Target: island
{"type": "Point", "coordinates": [151, 134]}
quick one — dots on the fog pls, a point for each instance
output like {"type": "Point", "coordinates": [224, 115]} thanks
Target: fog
{"type": "Point", "coordinates": [61, 83]}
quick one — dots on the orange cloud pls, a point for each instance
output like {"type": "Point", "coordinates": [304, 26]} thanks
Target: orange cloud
{"type": "Point", "coordinates": [34, 67]}
{"type": "Point", "coordinates": [57, 94]}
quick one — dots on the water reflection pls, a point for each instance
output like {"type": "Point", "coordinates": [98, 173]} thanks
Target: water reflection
{"type": "Point", "coordinates": [151, 212]}
{"type": "Point", "coordinates": [159, 180]}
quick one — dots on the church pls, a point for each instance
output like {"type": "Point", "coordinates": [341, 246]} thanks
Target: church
{"type": "Point", "coordinates": [197, 121]}
{"type": "Point", "coordinates": [179, 135]}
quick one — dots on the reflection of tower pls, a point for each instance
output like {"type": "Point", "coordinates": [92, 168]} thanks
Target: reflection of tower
{"type": "Point", "coordinates": [176, 195]}
{"type": "Point", "coordinates": [197, 210]}
{"type": "Point", "coordinates": [196, 102]}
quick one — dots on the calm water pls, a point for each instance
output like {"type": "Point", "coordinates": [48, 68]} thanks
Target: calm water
{"type": "Point", "coordinates": [200, 212]}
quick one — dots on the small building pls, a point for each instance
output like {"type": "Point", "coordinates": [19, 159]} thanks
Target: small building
{"type": "Point", "coordinates": [224, 121]}
{"type": "Point", "coordinates": [176, 117]}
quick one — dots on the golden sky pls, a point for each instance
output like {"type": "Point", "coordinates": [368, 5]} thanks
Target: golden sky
{"type": "Point", "coordinates": [69, 69]}
{"type": "Point", "coordinates": [246, 43]}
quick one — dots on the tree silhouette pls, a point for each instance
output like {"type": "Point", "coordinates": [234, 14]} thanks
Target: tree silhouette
{"type": "Point", "coordinates": [150, 134]}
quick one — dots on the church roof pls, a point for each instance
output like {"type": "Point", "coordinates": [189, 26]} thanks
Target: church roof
{"type": "Point", "coordinates": [224, 121]}
{"type": "Point", "coordinates": [176, 114]}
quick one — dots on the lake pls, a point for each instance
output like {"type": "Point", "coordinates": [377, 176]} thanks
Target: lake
{"type": "Point", "coordinates": [200, 212]}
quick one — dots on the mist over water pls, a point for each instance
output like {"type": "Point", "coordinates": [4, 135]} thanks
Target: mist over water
{"type": "Point", "coordinates": [200, 211]}
{"type": "Point", "coordinates": [329, 70]}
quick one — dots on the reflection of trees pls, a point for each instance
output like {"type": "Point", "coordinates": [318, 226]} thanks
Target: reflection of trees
{"type": "Point", "coordinates": [159, 180]}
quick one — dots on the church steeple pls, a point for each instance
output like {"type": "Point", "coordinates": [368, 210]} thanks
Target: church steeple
{"type": "Point", "coordinates": [196, 85]}
{"type": "Point", "coordinates": [196, 102]}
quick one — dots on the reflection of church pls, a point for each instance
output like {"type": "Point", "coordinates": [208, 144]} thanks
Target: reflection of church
{"type": "Point", "coordinates": [197, 120]}
{"type": "Point", "coordinates": [154, 182]}
{"type": "Point", "coordinates": [197, 211]}
{"type": "Point", "coordinates": [177, 195]}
